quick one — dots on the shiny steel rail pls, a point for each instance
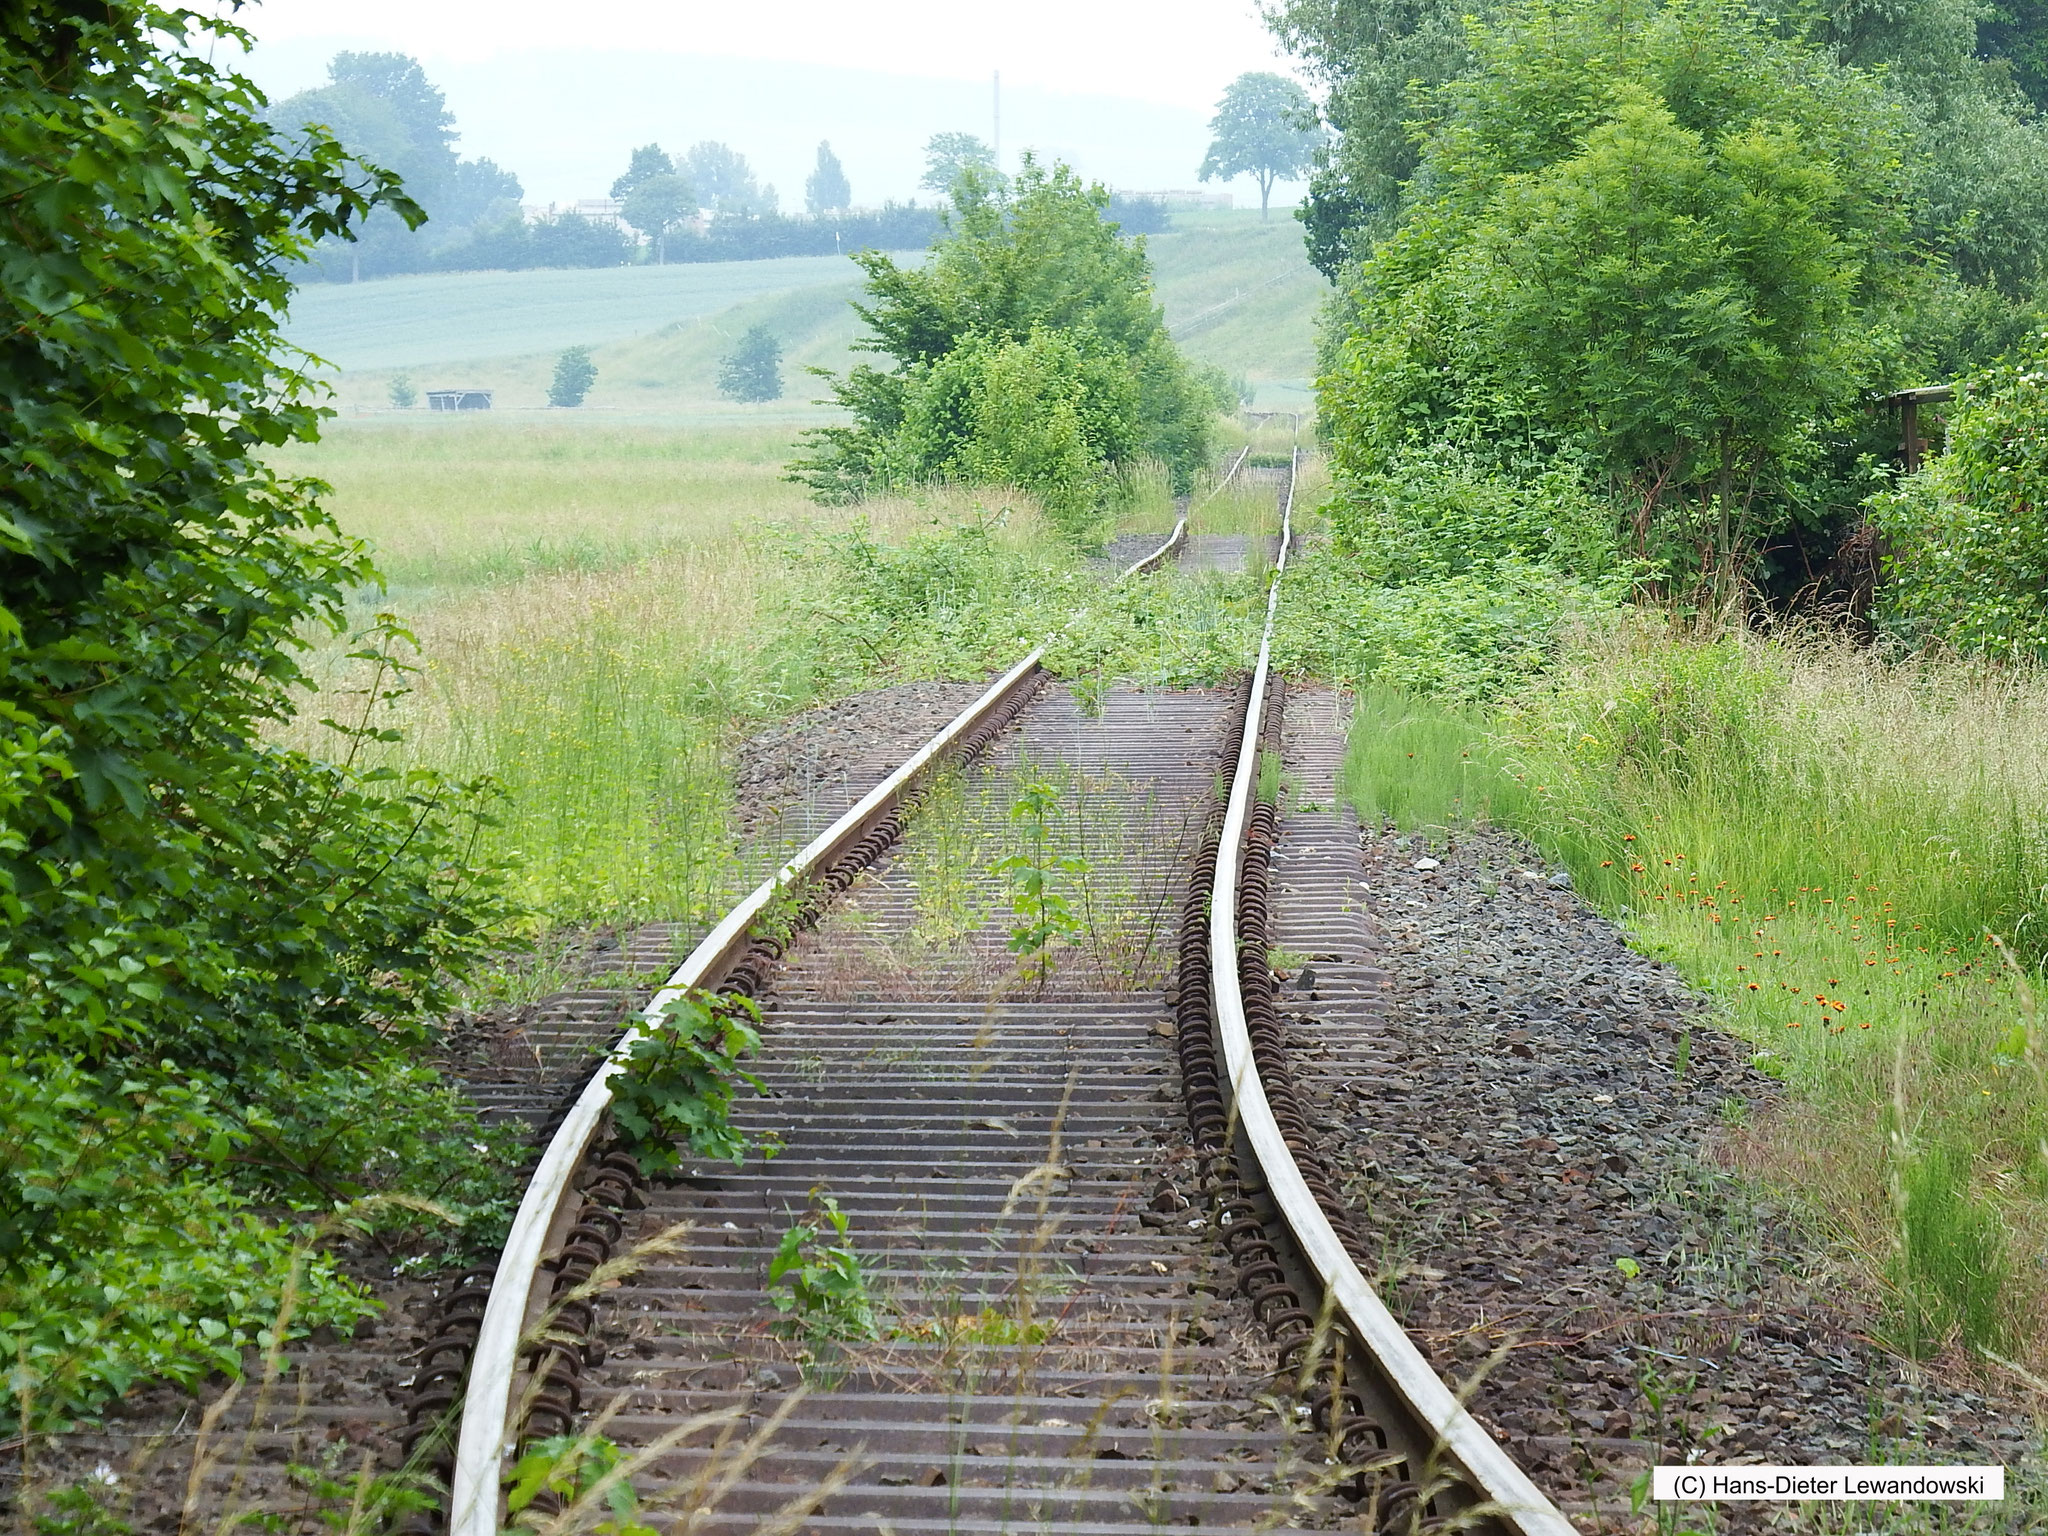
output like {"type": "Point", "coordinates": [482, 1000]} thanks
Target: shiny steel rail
{"type": "Point", "coordinates": [1504, 1490]}
{"type": "Point", "coordinates": [486, 1433]}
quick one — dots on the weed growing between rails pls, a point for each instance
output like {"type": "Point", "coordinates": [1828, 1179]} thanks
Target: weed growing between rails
{"type": "Point", "coordinates": [1024, 877]}
{"type": "Point", "coordinates": [1836, 848]}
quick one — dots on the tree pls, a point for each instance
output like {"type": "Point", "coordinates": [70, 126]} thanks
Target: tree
{"type": "Point", "coordinates": [648, 160]}
{"type": "Point", "coordinates": [383, 107]}
{"type": "Point", "coordinates": [752, 371]}
{"type": "Point", "coordinates": [725, 181]}
{"type": "Point", "coordinates": [403, 396]}
{"type": "Point", "coordinates": [1378, 62]}
{"type": "Point", "coordinates": [1663, 243]}
{"type": "Point", "coordinates": [1029, 337]}
{"type": "Point", "coordinates": [574, 374]}
{"type": "Point", "coordinates": [949, 156]}
{"type": "Point", "coordinates": [218, 954]}
{"type": "Point", "coordinates": [1265, 128]}
{"type": "Point", "coordinates": [827, 191]}
{"type": "Point", "coordinates": [2017, 32]}
{"type": "Point", "coordinates": [660, 203]}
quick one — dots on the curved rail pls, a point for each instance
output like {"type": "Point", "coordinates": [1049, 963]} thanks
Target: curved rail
{"type": "Point", "coordinates": [474, 1488]}
{"type": "Point", "coordinates": [1505, 1490]}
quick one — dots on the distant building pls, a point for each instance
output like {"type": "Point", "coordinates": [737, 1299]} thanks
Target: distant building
{"type": "Point", "coordinates": [458, 399]}
{"type": "Point", "coordinates": [1183, 197]}
{"type": "Point", "coordinates": [598, 210]}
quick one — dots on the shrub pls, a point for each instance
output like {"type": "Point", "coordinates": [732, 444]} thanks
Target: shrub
{"type": "Point", "coordinates": [1473, 635]}
{"type": "Point", "coordinates": [1029, 343]}
{"type": "Point", "coordinates": [1967, 561]}
{"type": "Point", "coordinates": [1443, 510]}
{"type": "Point", "coordinates": [752, 371]}
{"type": "Point", "coordinates": [203, 934]}
{"type": "Point", "coordinates": [574, 374]}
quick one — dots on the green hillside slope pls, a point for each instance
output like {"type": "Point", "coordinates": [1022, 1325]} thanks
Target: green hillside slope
{"type": "Point", "coordinates": [444, 317]}
{"type": "Point", "coordinates": [1237, 292]}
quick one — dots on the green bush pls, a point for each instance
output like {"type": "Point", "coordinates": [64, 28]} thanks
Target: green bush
{"type": "Point", "coordinates": [206, 940]}
{"type": "Point", "coordinates": [1473, 635]}
{"type": "Point", "coordinates": [1967, 537]}
{"type": "Point", "coordinates": [1443, 510]}
{"type": "Point", "coordinates": [1028, 349]}
{"type": "Point", "coordinates": [1661, 242]}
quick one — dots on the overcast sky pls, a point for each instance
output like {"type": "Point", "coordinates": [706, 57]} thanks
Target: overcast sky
{"type": "Point", "coordinates": [1123, 88]}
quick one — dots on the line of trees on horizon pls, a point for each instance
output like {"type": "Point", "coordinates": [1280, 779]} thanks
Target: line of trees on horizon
{"type": "Point", "coordinates": [704, 204]}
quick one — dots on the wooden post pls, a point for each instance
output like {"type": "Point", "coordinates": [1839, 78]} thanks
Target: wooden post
{"type": "Point", "coordinates": [1909, 426]}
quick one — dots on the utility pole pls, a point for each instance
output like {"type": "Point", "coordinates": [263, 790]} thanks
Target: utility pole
{"type": "Point", "coordinates": [998, 99]}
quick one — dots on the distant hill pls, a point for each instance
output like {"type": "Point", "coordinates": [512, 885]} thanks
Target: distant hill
{"type": "Point", "coordinates": [1237, 292]}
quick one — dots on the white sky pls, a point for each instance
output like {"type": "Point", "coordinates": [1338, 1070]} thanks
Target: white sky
{"type": "Point", "coordinates": [1173, 52]}
{"type": "Point", "coordinates": [1121, 89]}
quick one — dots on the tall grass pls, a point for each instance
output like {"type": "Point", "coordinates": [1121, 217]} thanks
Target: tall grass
{"type": "Point", "coordinates": [453, 502]}
{"type": "Point", "coordinates": [1836, 847]}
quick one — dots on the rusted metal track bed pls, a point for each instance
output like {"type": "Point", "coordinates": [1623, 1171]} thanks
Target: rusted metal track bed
{"type": "Point", "coordinates": [1086, 1203]}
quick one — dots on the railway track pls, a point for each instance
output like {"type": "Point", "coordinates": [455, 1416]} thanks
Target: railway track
{"type": "Point", "coordinates": [1112, 1285]}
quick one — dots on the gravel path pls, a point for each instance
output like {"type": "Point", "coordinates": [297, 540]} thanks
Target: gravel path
{"type": "Point", "coordinates": [1519, 1133]}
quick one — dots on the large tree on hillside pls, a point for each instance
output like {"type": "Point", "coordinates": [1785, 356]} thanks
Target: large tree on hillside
{"type": "Point", "coordinates": [1265, 128]}
{"type": "Point", "coordinates": [383, 107]}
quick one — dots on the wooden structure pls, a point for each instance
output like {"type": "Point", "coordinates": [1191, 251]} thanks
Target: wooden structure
{"type": "Point", "coordinates": [1907, 403]}
{"type": "Point", "coordinates": [458, 399]}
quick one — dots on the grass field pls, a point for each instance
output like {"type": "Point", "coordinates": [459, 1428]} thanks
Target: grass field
{"type": "Point", "coordinates": [604, 609]}
{"type": "Point", "coordinates": [1238, 292]}
{"type": "Point", "coordinates": [435, 319]}
{"type": "Point", "coordinates": [452, 502]}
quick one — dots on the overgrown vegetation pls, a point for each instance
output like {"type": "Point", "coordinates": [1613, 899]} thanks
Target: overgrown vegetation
{"type": "Point", "coordinates": [1029, 351]}
{"type": "Point", "coordinates": [1828, 842]}
{"type": "Point", "coordinates": [675, 1088]}
{"type": "Point", "coordinates": [817, 1282]}
{"type": "Point", "coordinates": [1968, 535]}
{"type": "Point", "coordinates": [1614, 300]}
{"type": "Point", "coordinates": [219, 953]}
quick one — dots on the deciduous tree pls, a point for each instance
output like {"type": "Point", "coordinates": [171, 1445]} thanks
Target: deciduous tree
{"type": "Point", "coordinates": [1029, 347]}
{"type": "Point", "coordinates": [724, 180]}
{"type": "Point", "coordinates": [574, 374]}
{"type": "Point", "coordinates": [752, 371]}
{"type": "Point", "coordinates": [1265, 128]}
{"type": "Point", "coordinates": [217, 953]}
{"type": "Point", "coordinates": [950, 156]}
{"type": "Point", "coordinates": [648, 160]}
{"type": "Point", "coordinates": [659, 205]}
{"type": "Point", "coordinates": [827, 191]}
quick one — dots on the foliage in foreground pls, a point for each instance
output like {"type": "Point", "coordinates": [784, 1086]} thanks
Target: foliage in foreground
{"type": "Point", "coordinates": [1826, 842]}
{"type": "Point", "coordinates": [214, 952]}
{"type": "Point", "coordinates": [1028, 350]}
{"type": "Point", "coordinates": [1968, 535]}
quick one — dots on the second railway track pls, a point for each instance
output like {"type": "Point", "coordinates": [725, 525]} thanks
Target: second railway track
{"type": "Point", "coordinates": [1086, 1199]}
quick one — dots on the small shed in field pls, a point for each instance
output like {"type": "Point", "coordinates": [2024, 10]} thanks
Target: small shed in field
{"type": "Point", "coordinates": [458, 399]}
